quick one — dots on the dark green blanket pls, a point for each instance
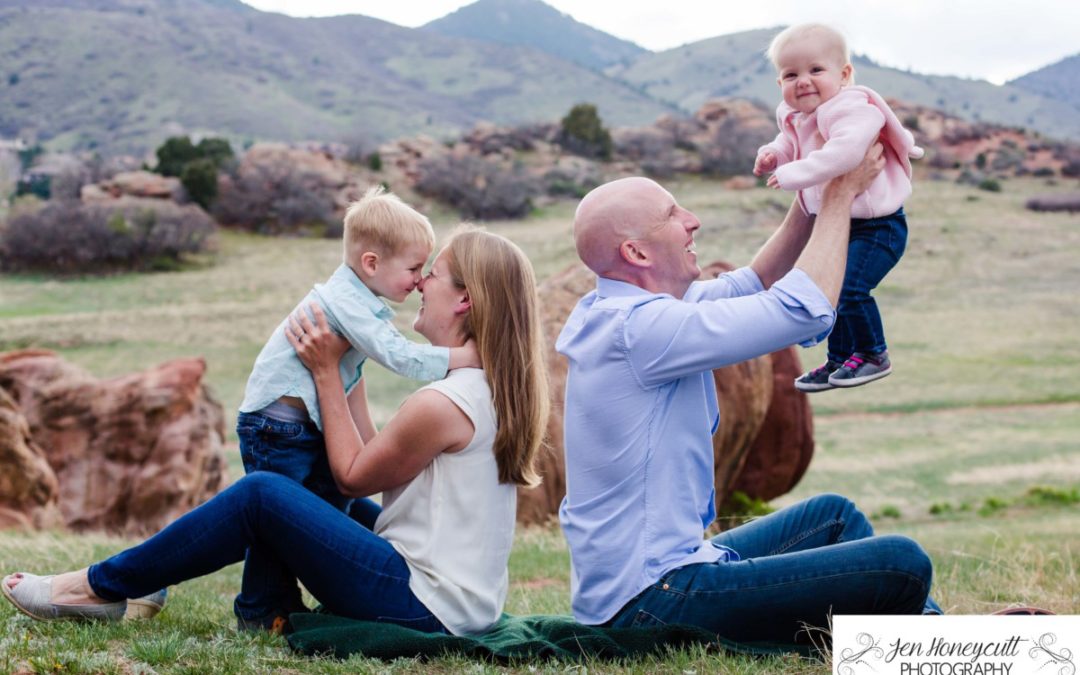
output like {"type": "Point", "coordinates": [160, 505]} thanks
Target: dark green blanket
{"type": "Point", "coordinates": [513, 637]}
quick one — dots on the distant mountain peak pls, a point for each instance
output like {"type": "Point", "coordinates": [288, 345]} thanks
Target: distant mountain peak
{"type": "Point", "coordinates": [1060, 80]}
{"type": "Point", "coordinates": [536, 24]}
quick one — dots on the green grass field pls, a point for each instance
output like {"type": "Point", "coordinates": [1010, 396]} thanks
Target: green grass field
{"type": "Point", "coordinates": [970, 446]}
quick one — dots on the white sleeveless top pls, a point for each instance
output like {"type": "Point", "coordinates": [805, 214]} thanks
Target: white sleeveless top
{"type": "Point", "coordinates": [454, 522]}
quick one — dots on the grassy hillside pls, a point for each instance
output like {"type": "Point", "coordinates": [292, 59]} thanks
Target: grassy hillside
{"type": "Point", "coordinates": [125, 74]}
{"type": "Point", "coordinates": [533, 23]}
{"type": "Point", "coordinates": [983, 406]}
{"type": "Point", "coordinates": [735, 65]}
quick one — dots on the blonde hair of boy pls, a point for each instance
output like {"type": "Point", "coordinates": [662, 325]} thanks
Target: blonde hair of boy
{"type": "Point", "coordinates": [832, 37]}
{"type": "Point", "coordinates": [505, 322]}
{"type": "Point", "coordinates": [380, 222]}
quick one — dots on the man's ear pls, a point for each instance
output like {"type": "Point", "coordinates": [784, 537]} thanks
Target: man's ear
{"type": "Point", "coordinates": [464, 303]}
{"type": "Point", "coordinates": [634, 253]}
{"type": "Point", "coordinates": [369, 262]}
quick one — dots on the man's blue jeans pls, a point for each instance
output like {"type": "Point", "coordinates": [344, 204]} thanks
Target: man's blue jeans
{"type": "Point", "coordinates": [874, 248]}
{"type": "Point", "coordinates": [799, 565]}
{"type": "Point", "coordinates": [349, 569]}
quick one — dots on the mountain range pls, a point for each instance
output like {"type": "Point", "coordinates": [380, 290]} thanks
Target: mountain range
{"type": "Point", "coordinates": [121, 75]}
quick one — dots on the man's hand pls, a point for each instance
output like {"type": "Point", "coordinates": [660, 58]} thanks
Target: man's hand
{"type": "Point", "coordinates": [764, 163]}
{"type": "Point", "coordinates": [859, 179]}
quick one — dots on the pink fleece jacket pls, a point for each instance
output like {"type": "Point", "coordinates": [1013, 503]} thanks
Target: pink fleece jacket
{"type": "Point", "coordinates": [832, 140]}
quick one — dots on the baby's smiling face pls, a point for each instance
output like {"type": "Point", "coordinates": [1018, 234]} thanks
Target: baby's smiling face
{"type": "Point", "coordinates": [811, 71]}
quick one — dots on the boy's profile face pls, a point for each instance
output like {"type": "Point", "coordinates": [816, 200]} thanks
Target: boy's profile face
{"type": "Point", "coordinates": [395, 276]}
{"type": "Point", "coordinates": [812, 71]}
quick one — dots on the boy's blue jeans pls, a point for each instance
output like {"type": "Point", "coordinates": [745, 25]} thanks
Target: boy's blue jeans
{"type": "Point", "coordinates": [798, 566]}
{"type": "Point", "coordinates": [296, 450]}
{"type": "Point", "coordinates": [875, 246]}
{"type": "Point", "coordinates": [352, 571]}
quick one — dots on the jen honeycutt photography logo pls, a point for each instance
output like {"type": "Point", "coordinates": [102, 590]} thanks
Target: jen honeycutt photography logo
{"type": "Point", "coordinates": [956, 645]}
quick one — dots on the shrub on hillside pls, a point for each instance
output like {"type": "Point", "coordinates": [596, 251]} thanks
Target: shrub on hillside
{"type": "Point", "coordinates": [200, 179]}
{"type": "Point", "coordinates": [476, 187]}
{"type": "Point", "coordinates": [1058, 202]}
{"type": "Point", "coordinates": [274, 199]}
{"type": "Point", "coordinates": [69, 237]}
{"type": "Point", "coordinates": [582, 132]}
{"type": "Point", "coordinates": [196, 166]}
{"type": "Point", "coordinates": [173, 154]}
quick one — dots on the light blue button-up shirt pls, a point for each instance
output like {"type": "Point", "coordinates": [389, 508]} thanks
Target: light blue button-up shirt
{"type": "Point", "coordinates": [354, 312]}
{"type": "Point", "coordinates": [640, 413]}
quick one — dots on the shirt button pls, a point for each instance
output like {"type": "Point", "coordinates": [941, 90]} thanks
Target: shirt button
{"type": "Point", "coordinates": [665, 587]}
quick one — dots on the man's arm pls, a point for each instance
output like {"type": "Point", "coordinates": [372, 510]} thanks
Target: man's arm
{"type": "Point", "coordinates": [819, 246]}
{"type": "Point", "coordinates": [778, 255]}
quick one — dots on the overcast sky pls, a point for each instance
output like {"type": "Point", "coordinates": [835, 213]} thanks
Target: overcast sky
{"type": "Point", "coordinates": [996, 40]}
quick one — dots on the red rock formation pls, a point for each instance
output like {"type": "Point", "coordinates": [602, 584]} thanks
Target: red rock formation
{"type": "Point", "coordinates": [133, 184]}
{"type": "Point", "coordinates": [783, 448]}
{"type": "Point", "coordinates": [130, 453]}
{"type": "Point", "coordinates": [28, 487]}
{"type": "Point", "coordinates": [765, 424]}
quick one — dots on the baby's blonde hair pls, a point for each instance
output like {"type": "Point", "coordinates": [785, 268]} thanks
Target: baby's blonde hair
{"type": "Point", "coordinates": [379, 221]}
{"type": "Point", "coordinates": [805, 30]}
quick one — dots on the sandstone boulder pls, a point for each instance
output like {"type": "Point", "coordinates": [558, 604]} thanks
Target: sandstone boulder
{"type": "Point", "coordinates": [781, 452]}
{"type": "Point", "coordinates": [142, 184]}
{"type": "Point", "coordinates": [28, 487]}
{"type": "Point", "coordinates": [130, 453]}
{"type": "Point", "coordinates": [765, 424]}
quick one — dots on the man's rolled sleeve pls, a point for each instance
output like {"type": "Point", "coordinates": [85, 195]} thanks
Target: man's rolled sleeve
{"type": "Point", "coordinates": [797, 290]}
{"type": "Point", "coordinates": [667, 339]}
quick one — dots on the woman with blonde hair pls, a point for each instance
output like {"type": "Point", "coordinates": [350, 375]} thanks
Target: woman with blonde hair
{"type": "Point", "coordinates": [448, 464]}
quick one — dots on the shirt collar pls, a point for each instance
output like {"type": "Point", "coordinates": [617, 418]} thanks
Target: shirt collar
{"type": "Point", "coordinates": [364, 294]}
{"type": "Point", "coordinates": [612, 288]}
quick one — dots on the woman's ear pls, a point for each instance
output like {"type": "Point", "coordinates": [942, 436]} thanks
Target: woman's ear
{"type": "Point", "coordinates": [464, 303]}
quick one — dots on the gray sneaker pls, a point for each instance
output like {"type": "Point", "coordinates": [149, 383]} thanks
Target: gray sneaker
{"type": "Point", "coordinates": [818, 378]}
{"type": "Point", "coordinates": [146, 607]}
{"type": "Point", "coordinates": [860, 369]}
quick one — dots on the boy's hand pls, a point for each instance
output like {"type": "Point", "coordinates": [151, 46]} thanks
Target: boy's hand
{"type": "Point", "coordinates": [316, 344]}
{"type": "Point", "coordinates": [764, 163]}
{"type": "Point", "coordinates": [465, 356]}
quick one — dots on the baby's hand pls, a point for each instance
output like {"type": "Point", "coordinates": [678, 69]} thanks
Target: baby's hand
{"type": "Point", "coordinates": [764, 163]}
{"type": "Point", "coordinates": [773, 182]}
{"type": "Point", "coordinates": [465, 356]}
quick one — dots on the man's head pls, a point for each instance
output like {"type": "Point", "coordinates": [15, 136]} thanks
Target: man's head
{"type": "Point", "coordinates": [386, 243]}
{"type": "Point", "coordinates": [633, 230]}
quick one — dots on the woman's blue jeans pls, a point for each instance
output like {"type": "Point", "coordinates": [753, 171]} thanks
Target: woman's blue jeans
{"type": "Point", "coordinates": [349, 569]}
{"type": "Point", "coordinates": [874, 248]}
{"type": "Point", "coordinates": [799, 566]}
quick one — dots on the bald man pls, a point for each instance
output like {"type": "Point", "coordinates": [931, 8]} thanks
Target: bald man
{"type": "Point", "coordinates": [641, 410]}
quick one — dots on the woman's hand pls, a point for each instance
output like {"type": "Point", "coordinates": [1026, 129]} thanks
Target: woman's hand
{"type": "Point", "coordinates": [318, 347]}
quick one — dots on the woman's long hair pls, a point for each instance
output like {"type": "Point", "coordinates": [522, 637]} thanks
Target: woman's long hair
{"type": "Point", "coordinates": [504, 319]}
